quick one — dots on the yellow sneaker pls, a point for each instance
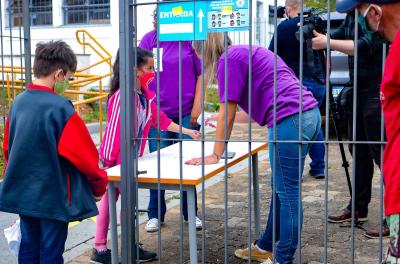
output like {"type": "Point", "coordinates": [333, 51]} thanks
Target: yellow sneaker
{"type": "Point", "coordinates": [255, 254]}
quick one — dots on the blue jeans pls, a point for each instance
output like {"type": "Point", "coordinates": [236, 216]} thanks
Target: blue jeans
{"type": "Point", "coordinates": [153, 203]}
{"type": "Point", "coordinates": [317, 150]}
{"type": "Point", "coordinates": [286, 172]}
{"type": "Point", "coordinates": [42, 240]}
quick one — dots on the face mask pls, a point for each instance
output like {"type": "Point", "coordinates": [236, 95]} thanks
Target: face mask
{"type": "Point", "coordinates": [372, 35]}
{"type": "Point", "coordinates": [60, 87]}
{"type": "Point", "coordinates": [146, 78]}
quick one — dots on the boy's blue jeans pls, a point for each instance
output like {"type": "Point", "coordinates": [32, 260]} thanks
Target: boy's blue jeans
{"type": "Point", "coordinates": [317, 150]}
{"type": "Point", "coordinates": [42, 240]}
{"type": "Point", "coordinates": [153, 203]}
{"type": "Point", "coordinates": [286, 176]}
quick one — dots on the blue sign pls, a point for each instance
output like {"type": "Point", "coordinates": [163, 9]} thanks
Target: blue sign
{"type": "Point", "coordinates": [182, 21]}
{"type": "Point", "coordinates": [228, 15]}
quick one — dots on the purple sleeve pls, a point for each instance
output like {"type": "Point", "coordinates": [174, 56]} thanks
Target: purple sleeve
{"type": "Point", "coordinates": [237, 79]}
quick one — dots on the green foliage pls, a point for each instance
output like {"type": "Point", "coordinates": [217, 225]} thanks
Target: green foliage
{"type": "Point", "coordinates": [320, 4]}
{"type": "Point", "coordinates": [93, 105]}
{"type": "Point", "coordinates": [212, 100]}
{"type": "Point", "coordinates": [92, 116]}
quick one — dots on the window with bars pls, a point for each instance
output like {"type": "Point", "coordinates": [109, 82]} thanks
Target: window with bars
{"type": "Point", "coordinates": [40, 12]}
{"type": "Point", "coordinates": [86, 11]}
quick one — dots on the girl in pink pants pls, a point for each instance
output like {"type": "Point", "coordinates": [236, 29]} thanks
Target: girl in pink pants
{"type": "Point", "coordinates": [110, 147]}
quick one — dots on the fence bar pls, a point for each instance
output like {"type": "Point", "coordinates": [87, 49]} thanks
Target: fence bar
{"type": "Point", "coordinates": [381, 211]}
{"type": "Point", "coordinates": [180, 159]}
{"type": "Point", "coordinates": [274, 147]}
{"type": "Point", "coordinates": [354, 150]}
{"type": "Point", "coordinates": [327, 134]}
{"type": "Point", "coordinates": [129, 153]}
{"type": "Point", "coordinates": [300, 171]}
{"type": "Point", "coordinates": [158, 144]}
{"type": "Point", "coordinates": [226, 215]}
{"type": "Point", "coordinates": [3, 91]}
{"type": "Point", "coordinates": [27, 42]}
{"type": "Point", "coordinates": [203, 190]}
{"type": "Point", "coordinates": [249, 133]}
{"type": "Point", "coordinates": [11, 54]}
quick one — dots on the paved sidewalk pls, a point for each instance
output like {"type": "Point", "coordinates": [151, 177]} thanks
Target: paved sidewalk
{"type": "Point", "coordinates": [339, 238]}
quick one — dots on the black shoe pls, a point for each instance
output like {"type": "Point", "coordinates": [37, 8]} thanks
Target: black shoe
{"type": "Point", "coordinates": [145, 256]}
{"type": "Point", "coordinates": [317, 175]}
{"type": "Point", "coordinates": [103, 257]}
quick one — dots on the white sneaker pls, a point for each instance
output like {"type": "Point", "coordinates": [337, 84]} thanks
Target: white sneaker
{"type": "Point", "coordinates": [152, 225]}
{"type": "Point", "coordinates": [199, 223]}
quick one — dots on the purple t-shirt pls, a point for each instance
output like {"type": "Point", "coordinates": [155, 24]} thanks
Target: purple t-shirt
{"type": "Point", "coordinates": [262, 93]}
{"type": "Point", "coordinates": [169, 75]}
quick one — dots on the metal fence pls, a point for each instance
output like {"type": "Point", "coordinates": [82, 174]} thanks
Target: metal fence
{"type": "Point", "coordinates": [130, 142]}
{"type": "Point", "coordinates": [17, 43]}
{"type": "Point", "coordinates": [130, 160]}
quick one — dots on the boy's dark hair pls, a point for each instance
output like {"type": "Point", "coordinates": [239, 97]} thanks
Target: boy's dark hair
{"type": "Point", "coordinates": [51, 56]}
{"type": "Point", "coordinates": [141, 59]}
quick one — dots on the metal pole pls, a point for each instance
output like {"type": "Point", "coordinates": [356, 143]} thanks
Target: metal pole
{"type": "Point", "coordinates": [128, 125]}
{"type": "Point", "coordinates": [11, 13]}
{"type": "Point", "coordinates": [203, 205]}
{"type": "Point", "coordinates": [353, 203]}
{"type": "Point", "coordinates": [327, 111]}
{"type": "Point", "coordinates": [249, 165]}
{"type": "Point", "coordinates": [299, 216]}
{"type": "Point", "coordinates": [27, 42]}
{"type": "Point", "coordinates": [274, 146]}
{"type": "Point", "coordinates": [180, 156]}
{"type": "Point", "coordinates": [226, 216]}
{"type": "Point", "coordinates": [3, 92]}
{"type": "Point", "coordinates": [158, 143]}
{"type": "Point", "coordinates": [381, 212]}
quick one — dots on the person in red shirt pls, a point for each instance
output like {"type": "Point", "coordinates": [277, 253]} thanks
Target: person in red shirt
{"type": "Point", "coordinates": [383, 17]}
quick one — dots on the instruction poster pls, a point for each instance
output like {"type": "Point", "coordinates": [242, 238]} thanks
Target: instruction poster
{"type": "Point", "coordinates": [227, 15]}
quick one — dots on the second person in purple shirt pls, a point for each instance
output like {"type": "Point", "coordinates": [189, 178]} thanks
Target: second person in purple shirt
{"type": "Point", "coordinates": [170, 57]}
{"type": "Point", "coordinates": [234, 62]}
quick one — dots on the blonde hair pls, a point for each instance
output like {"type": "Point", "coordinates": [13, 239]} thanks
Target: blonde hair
{"type": "Point", "coordinates": [214, 47]}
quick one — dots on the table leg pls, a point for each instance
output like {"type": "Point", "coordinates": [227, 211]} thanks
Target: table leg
{"type": "Point", "coordinates": [192, 224]}
{"type": "Point", "coordinates": [256, 194]}
{"type": "Point", "coordinates": [113, 222]}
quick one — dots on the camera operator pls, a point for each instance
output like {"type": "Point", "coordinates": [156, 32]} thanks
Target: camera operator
{"type": "Point", "coordinates": [288, 49]}
{"type": "Point", "coordinates": [368, 116]}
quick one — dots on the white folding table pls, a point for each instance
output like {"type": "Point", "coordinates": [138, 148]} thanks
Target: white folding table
{"type": "Point", "coordinates": [170, 179]}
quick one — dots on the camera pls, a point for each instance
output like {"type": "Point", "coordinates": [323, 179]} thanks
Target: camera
{"type": "Point", "coordinates": [280, 11]}
{"type": "Point", "coordinates": [312, 21]}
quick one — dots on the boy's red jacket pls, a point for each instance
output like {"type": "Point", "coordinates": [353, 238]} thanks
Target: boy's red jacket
{"type": "Point", "coordinates": [52, 163]}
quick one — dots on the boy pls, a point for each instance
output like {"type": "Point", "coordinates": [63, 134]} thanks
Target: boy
{"type": "Point", "coordinates": [51, 175]}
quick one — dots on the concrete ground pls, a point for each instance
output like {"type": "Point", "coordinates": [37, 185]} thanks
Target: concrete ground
{"type": "Point", "coordinates": [312, 245]}
{"type": "Point", "coordinates": [80, 238]}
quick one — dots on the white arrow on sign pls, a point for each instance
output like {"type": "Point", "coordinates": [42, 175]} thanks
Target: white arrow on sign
{"type": "Point", "coordinates": [200, 15]}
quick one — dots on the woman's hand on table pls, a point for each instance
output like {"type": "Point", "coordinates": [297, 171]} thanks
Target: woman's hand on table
{"type": "Point", "coordinates": [210, 159]}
